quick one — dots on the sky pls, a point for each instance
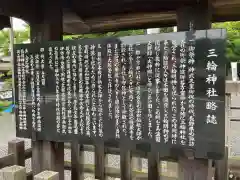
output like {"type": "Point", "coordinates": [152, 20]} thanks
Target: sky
{"type": "Point", "coordinates": [18, 24]}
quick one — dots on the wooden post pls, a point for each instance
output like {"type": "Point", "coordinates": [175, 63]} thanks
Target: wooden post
{"type": "Point", "coordinates": [195, 17]}
{"type": "Point", "coordinates": [77, 161]}
{"type": "Point", "coordinates": [100, 161]}
{"type": "Point", "coordinates": [199, 15]}
{"type": "Point", "coordinates": [125, 163]}
{"type": "Point", "coordinates": [228, 121]}
{"type": "Point", "coordinates": [47, 175]}
{"type": "Point", "coordinates": [153, 166]}
{"type": "Point", "coordinates": [47, 155]}
{"type": "Point", "coordinates": [191, 169]}
{"type": "Point", "coordinates": [53, 157]}
{"type": "Point", "coordinates": [16, 147]}
{"type": "Point", "coordinates": [221, 167]}
{"type": "Point", "coordinates": [36, 157]}
{"type": "Point", "coordinates": [13, 173]}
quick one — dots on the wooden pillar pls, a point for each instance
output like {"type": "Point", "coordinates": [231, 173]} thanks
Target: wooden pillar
{"type": "Point", "coordinates": [36, 156]}
{"type": "Point", "coordinates": [47, 155]}
{"type": "Point", "coordinates": [100, 161]}
{"type": "Point", "coordinates": [77, 161]}
{"type": "Point", "coordinates": [199, 15]}
{"type": "Point", "coordinates": [153, 165]}
{"type": "Point", "coordinates": [195, 17]}
{"type": "Point", "coordinates": [125, 163]}
{"type": "Point", "coordinates": [17, 148]}
{"type": "Point", "coordinates": [221, 167]}
{"type": "Point", "coordinates": [192, 169]}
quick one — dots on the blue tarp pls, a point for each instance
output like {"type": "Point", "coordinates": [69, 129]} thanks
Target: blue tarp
{"type": "Point", "coordinates": [9, 109]}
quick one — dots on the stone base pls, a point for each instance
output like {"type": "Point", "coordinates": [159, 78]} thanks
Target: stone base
{"type": "Point", "coordinates": [47, 175]}
{"type": "Point", "coordinates": [13, 173]}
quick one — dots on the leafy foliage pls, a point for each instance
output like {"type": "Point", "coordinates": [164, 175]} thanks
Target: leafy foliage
{"type": "Point", "coordinates": [233, 28]}
{"type": "Point", "coordinates": [19, 37]}
{"type": "Point", "coordinates": [233, 41]}
{"type": "Point", "coordinates": [109, 34]}
{"type": "Point", "coordinates": [114, 34]}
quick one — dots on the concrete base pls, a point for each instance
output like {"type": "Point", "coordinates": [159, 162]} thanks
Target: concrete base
{"type": "Point", "coordinates": [47, 175]}
{"type": "Point", "coordinates": [13, 173]}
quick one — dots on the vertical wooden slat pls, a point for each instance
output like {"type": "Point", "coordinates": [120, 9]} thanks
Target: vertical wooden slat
{"type": "Point", "coordinates": [221, 167]}
{"type": "Point", "coordinates": [227, 121]}
{"type": "Point", "coordinates": [36, 157]}
{"type": "Point", "coordinates": [53, 157]}
{"type": "Point", "coordinates": [210, 169]}
{"type": "Point", "coordinates": [192, 169]}
{"type": "Point", "coordinates": [153, 166]}
{"type": "Point", "coordinates": [17, 148]}
{"type": "Point", "coordinates": [100, 161]}
{"type": "Point", "coordinates": [77, 161]}
{"type": "Point", "coordinates": [48, 156]}
{"type": "Point", "coordinates": [125, 163]}
{"type": "Point", "coordinates": [59, 159]}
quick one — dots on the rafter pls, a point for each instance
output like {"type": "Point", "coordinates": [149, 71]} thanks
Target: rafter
{"type": "Point", "coordinates": [88, 16]}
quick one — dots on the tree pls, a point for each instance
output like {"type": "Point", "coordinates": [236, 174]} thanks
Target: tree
{"type": "Point", "coordinates": [19, 37]}
{"type": "Point", "coordinates": [233, 50]}
{"type": "Point", "coordinates": [233, 28]}
{"type": "Point", "coordinates": [109, 34]}
{"type": "Point", "coordinates": [233, 39]}
{"type": "Point", "coordinates": [114, 34]}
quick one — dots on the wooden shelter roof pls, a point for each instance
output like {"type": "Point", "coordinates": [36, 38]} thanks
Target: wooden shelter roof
{"type": "Point", "coordinates": [86, 16]}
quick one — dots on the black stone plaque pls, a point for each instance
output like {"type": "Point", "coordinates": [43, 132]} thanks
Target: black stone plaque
{"type": "Point", "coordinates": [163, 92]}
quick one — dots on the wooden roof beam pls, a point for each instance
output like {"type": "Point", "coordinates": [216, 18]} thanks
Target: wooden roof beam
{"type": "Point", "coordinates": [69, 19]}
{"type": "Point", "coordinates": [75, 28]}
{"type": "Point", "coordinates": [18, 9]}
{"type": "Point", "coordinates": [4, 22]}
{"type": "Point", "coordinates": [224, 3]}
{"type": "Point", "coordinates": [147, 20]}
{"type": "Point", "coordinates": [139, 20]}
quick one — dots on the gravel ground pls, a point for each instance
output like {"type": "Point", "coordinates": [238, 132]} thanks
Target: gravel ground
{"type": "Point", "coordinates": [7, 133]}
